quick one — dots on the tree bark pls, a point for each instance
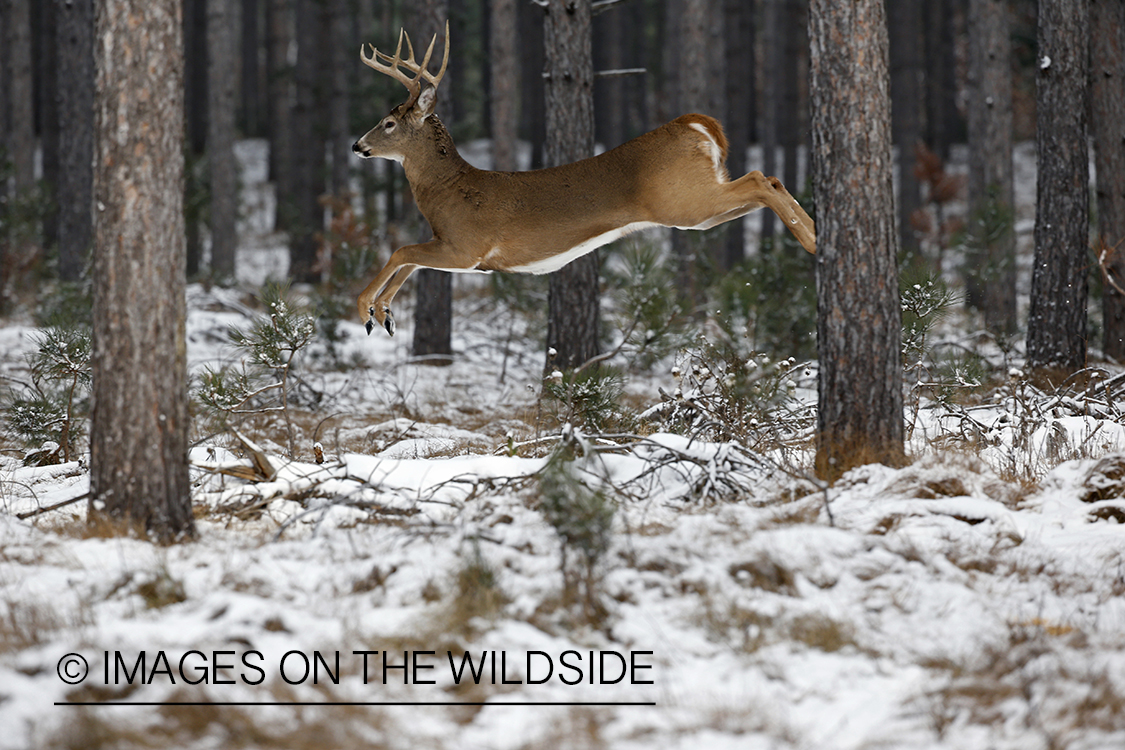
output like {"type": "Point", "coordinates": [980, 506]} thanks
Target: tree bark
{"type": "Point", "coordinates": [533, 106]}
{"type": "Point", "coordinates": [1056, 326]}
{"type": "Point", "coordinates": [858, 315]}
{"type": "Point", "coordinates": [279, 73]}
{"type": "Point", "coordinates": [195, 106]}
{"type": "Point", "coordinates": [251, 89]}
{"type": "Point", "coordinates": [139, 417]}
{"type": "Point", "coordinates": [433, 289]}
{"type": "Point", "coordinates": [47, 93]}
{"type": "Point", "coordinates": [505, 78]}
{"type": "Point", "coordinates": [740, 110]}
{"type": "Point", "coordinates": [942, 119]}
{"type": "Point", "coordinates": [991, 272]}
{"type": "Point", "coordinates": [21, 97]}
{"type": "Point", "coordinates": [339, 130]}
{"type": "Point", "coordinates": [905, 23]}
{"type": "Point", "coordinates": [692, 95]}
{"type": "Point", "coordinates": [308, 133]}
{"type": "Point", "coordinates": [222, 169]}
{"type": "Point", "coordinates": [1107, 96]}
{"type": "Point", "coordinates": [75, 31]}
{"type": "Point", "coordinates": [572, 325]}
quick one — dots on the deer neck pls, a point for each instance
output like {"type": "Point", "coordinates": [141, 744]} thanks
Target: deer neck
{"type": "Point", "coordinates": [434, 167]}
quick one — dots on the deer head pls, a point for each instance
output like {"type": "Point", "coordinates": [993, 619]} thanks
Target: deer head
{"type": "Point", "coordinates": [393, 136]}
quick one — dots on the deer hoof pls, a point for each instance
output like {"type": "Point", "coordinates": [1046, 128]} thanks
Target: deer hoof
{"type": "Point", "coordinates": [389, 323]}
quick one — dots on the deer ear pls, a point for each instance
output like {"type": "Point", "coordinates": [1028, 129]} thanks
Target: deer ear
{"type": "Point", "coordinates": [427, 100]}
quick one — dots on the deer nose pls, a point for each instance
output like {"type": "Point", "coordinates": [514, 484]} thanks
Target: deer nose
{"type": "Point", "coordinates": [360, 150]}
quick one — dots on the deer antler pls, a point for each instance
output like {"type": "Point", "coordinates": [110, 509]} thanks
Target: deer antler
{"type": "Point", "coordinates": [413, 85]}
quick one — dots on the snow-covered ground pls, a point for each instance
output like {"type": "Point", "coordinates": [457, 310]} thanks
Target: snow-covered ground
{"type": "Point", "coordinates": [973, 600]}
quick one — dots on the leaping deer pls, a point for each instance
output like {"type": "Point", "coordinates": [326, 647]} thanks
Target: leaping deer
{"type": "Point", "coordinates": [538, 221]}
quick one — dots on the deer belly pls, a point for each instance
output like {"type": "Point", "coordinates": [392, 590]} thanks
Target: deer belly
{"type": "Point", "coordinates": [553, 262]}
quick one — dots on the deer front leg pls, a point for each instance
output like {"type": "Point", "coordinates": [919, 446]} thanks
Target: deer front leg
{"type": "Point", "coordinates": [374, 302]}
{"type": "Point", "coordinates": [769, 192]}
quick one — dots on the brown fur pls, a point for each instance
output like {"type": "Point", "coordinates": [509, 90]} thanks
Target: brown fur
{"type": "Point", "coordinates": [505, 221]}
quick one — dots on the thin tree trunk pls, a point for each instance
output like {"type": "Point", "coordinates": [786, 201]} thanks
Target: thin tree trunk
{"type": "Point", "coordinates": [789, 117]}
{"type": "Point", "coordinates": [48, 97]}
{"type": "Point", "coordinates": [309, 177]}
{"type": "Point", "coordinates": [572, 325]}
{"type": "Point", "coordinates": [1107, 96]}
{"type": "Point", "coordinates": [777, 79]}
{"type": "Point", "coordinates": [532, 102]}
{"type": "Point", "coordinates": [195, 108]}
{"type": "Point", "coordinates": [992, 263]}
{"type": "Point", "coordinates": [76, 130]}
{"type": "Point", "coordinates": [433, 289]}
{"type": "Point", "coordinates": [740, 110]}
{"type": "Point", "coordinates": [904, 19]}
{"type": "Point", "coordinates": [279, 23]}
{"type": "Point", "coordinates": [21, 97]}
{"type": "Point", "coordinates": [504, 57]}
{"type": "Point", "coordinates": [139, 417]}
{"type": "Point", "coordinates": [252, 121]}
{"type": "Point", "coordinates": [1056, 326]}
{"type": "Point", "coordinates": [941, 75]}
{"type": "Point", "coordinates": [859, 417]}
{"type": "Point", "coordinates": [339, 132]}
{"type": "Point", "coordinates": [220, 137]}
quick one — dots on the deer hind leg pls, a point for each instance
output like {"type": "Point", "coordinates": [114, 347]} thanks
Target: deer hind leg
{"type": "Point", "coordinates": [374, 302]}
{"type": "Point", "coordinates": [756, 190]}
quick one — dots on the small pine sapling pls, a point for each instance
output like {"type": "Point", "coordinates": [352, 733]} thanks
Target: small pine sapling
{"type": "Point", "coordinates": [51, 408]}
{"type": "Point", "coordinates": [270, 347]}
{"type": "Point", "coordinates": [583, 519]}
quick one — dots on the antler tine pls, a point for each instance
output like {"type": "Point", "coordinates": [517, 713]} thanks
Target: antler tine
{"type": "Point", "coordinates": [421, 70]}
{"type": "Point", "coordinates": [435, 80]}
{"type": "Point", "coordinates": [392, 69]}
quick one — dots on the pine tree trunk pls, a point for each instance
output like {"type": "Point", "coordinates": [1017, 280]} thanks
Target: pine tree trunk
{"type": "Point", "coordinates": [991, 276]}
{"type": "Point", "coordinates": [693, 95]}
{"type": "Point", "coordinates": [222, 169]}
{"type": "Point", "coordinates": [339, 130]}
{"type": "Point", "coordinates": [773, 19]}
{"type": "Point", "coordinates": [740, 111]}
{"type": "Point", "coordinates": [533, 106]}
{"type": "Point", "coordinates": [21, 97]}
{"type": "Point", "coordinates": [789, 116]}
{"type": "Point", "coordinates": [941, 75]}
{"type": "Point", "coordinates": [505, 78]}
{"type": "Point", "coordinates": [309, 176]}
{"type": "Point", "coordinates": [139, 418]}
{"type": "Point", "coordinates": [47, 98]}
{"type": "Point", "coordinates": [20, 92]}
{"type": "Point", "coordinates": [75, 32]}
{"type": "Point", "coordinates": [433, 290]}
{"type": "Point", "coordinates": [1107, 97]}
{"type": "Point", "coordinates": [905, 24]}
{"type": "Point", "coordinates": [195, 109]}
{"type": "Point", "coordinates": [251, 88]}
{"type": "Point", "coordinates": [1056, 326]}
{"type": "Point", "coordinates": [858, 314]}
{"type": "Point", "coordinates": [572, 325]}
{"type": "Point", "coordinates": [279, 74]}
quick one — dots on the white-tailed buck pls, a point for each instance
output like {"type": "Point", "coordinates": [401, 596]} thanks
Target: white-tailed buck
{"type": "Point", "coordinates": [538, 221]}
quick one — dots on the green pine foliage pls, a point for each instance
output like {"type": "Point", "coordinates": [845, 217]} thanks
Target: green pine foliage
{"type": "Point", "coordinates": [53, 407]}
{"type": "Point", "coordinates": [269, 349]}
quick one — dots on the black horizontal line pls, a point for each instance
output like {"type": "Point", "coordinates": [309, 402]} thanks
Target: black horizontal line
{"type": "Point", "coordinates": [355, 703]}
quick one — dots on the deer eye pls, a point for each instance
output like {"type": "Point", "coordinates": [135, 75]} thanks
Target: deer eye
{"type": "Point", "coordinates": [389, 125]}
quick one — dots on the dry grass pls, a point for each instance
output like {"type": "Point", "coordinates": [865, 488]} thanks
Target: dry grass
{"type": "Point", "coordinates": [234, 727]}
{"type": "Point", "coordinates": [1037, 678]}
